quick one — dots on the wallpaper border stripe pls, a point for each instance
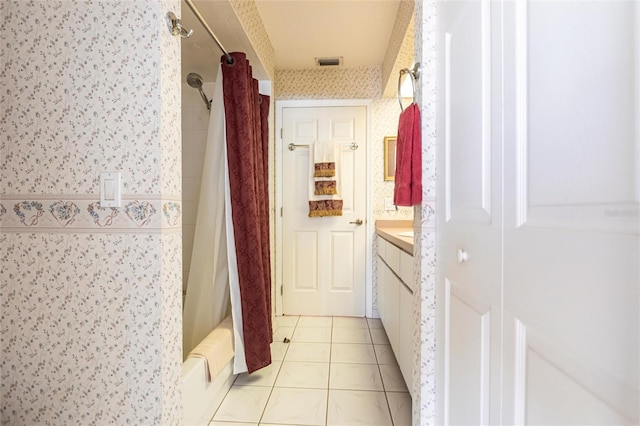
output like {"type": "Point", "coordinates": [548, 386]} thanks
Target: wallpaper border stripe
{"type": "Point", "coordinates": [50, 213]}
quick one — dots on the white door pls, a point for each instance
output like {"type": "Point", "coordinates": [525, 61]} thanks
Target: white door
{"type": "Point", "coordinates": [470, 218]}
{"type": "Point", "coordinates": [323, 258]}
{"type": "Point", "coordinates": [541, 321]}
{"type": "Point", "coordinates": [572, 186]}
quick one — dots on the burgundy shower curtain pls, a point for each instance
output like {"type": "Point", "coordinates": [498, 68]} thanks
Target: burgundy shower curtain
{"type": "Point", "coordinates": [246, 113]}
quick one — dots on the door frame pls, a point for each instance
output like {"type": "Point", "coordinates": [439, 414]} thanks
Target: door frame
{"type": "Point", "coordinates": [369, 225]}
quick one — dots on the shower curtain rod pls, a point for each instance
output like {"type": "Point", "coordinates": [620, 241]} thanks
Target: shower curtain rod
{"type": "Point", "coordinates": [196, 12]}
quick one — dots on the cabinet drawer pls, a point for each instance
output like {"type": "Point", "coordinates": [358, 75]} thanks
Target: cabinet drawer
{"type": "Point", "coordinates": [406, 269]}
{"type": "Point", "coordinates": [382, 245]}
{"type": "Point", "coordinates": [393, 258]}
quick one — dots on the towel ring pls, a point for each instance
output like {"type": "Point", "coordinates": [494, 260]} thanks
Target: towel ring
{"type": "Point", "coordinates": [414, 73]}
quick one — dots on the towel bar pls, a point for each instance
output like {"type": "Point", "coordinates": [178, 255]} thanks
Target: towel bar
{"type": "Point", "coordinates": [292, 146]}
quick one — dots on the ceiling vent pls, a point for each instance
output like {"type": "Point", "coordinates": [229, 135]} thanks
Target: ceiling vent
{"type": "Point", "coordinates": [329, 62]}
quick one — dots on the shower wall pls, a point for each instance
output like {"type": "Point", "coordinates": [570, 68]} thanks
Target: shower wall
{"type": "Point", "coordinates": [195, 122]}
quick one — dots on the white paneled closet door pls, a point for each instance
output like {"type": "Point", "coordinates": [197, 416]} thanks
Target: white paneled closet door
{"type": "Point", "coordinates": [470, 217]}
{"type": "Point", "coordinates": [571, 282]}
{"type": "Point", "coordinates": [538, 236]}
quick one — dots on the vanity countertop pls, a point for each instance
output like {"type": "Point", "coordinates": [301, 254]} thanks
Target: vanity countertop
{"type": "Point", "coordinates": [397, 232]}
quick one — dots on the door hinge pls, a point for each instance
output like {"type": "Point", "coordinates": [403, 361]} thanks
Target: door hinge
{"type": "Point", "coordinates": [281, 208]}
{"type": "Point", "coordinates": [281, 133]}
{"type": "Point", "coordinates": [281, 291]}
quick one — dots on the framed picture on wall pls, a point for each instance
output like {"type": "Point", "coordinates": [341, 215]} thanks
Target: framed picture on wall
{"type": "Point", "coordinates": [390, 157]}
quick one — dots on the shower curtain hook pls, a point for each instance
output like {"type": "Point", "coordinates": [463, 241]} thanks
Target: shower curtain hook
{"type": "Point", "coordinates": [175, 26]}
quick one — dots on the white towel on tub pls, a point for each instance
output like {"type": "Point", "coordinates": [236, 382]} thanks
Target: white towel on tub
{"type": "Point", "coordinates": [216, 348]}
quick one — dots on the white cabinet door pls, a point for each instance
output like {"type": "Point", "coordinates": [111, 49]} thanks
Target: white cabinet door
{"type": "Point", "coordinates": [469, 218]}
{"type": "Point", "coordinates": [571, 281]}
{"type": "Point", "coordinates": [405, 338]}
{"type": "Point", "coordinates": [381, 290]}
{"type": "Point", "coordinates": [392, 308]}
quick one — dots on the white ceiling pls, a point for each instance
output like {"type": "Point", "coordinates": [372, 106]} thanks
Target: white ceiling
{"type": "Point", "coordinates": [299, 30]}
{"type": "Point", "coordinates": [357, 30]}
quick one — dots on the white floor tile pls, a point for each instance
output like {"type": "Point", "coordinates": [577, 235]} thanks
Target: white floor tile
{"type": "Point", "coordinates": [353, 353]}
{"type": "Point", "coordinates": [400, 406]}
{"type": "Point", "coordinates": [243, 404]}
{"type": "Point", "coordinates": [264, 377]}
{"type": "Point", "coordinates": [313, 375]}
{"type": "Point", "coordinates": [308, 352]}
{"type": "Point", "coordinates": [350, 322]}
{"type": "Point", "coordinates": [355, 377]}
{"type": "Point", "coordinates": [385, 355]}
{"type": "Point", "coordinates": [351, 335]}
{"type": "Point", "coordinates": [374, 322]}
{"type": "Point", "coordinates": [392, 378]}
{"type": "Point", "coordinates": [278, 350]}
{"type": "Point", "coordinates": [296, 407]}
{"type": "Point", "coordinates": [353, 408]}
{"type": "Point", "coordinates": [363, 367]}
{"type": "Point", "coordinates": [281, 332]}
{"type": "Point", "coordinates": [379, 336]}
{"type": "Point", "coordinates": [315, 322]}
{"type": "Point", "coordinates": [286, 321]}
{"type": "Point", "coordinates": [312, 335]}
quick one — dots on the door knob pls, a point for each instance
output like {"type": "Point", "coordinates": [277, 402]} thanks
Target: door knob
{"type": "Point", "coordinates": [357, 222]}
{"type": "Point", "coordinates": [462, 256]}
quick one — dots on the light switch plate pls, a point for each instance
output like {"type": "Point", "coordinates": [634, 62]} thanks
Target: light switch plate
{"type": "Point", "coordinates": [110, 195]}
{"type": "Point", "coordinates": [388, 204]}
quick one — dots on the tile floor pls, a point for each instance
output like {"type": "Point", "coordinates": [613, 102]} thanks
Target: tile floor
{"type": "Point", "coordinates": [336, 371]}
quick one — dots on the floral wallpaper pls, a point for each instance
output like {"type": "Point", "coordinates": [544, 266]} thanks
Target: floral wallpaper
{"type": "Point", "coordinates": [171, 327]}
{"type": "Point", "coordinates": [424, 374]}
{"type": "Point", "coordinates": [79, 319]}
{"type": "Point", "coordinates": [116, 89]}
{"type": "Point", "coordinates": [334, 83]}
{"type": "Point", "coordinates": [252, 25]}
{"type": "Point", "coordinates": [400, 52]}
{"type": "Point", "coordinates": [90, 296]}
{"type": "Point", "coordinates": [170, 103]}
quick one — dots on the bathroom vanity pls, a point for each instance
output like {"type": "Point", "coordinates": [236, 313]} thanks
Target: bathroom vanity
{"type": "Point", "coordinates": [395, 290]}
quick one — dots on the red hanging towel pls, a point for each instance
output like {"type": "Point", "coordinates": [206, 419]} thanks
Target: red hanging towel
{"type": "Point", "coordinates": [408, 178]}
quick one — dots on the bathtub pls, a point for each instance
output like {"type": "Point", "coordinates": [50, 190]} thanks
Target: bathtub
{"type": "Point", "coordinates": [201, 398]}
